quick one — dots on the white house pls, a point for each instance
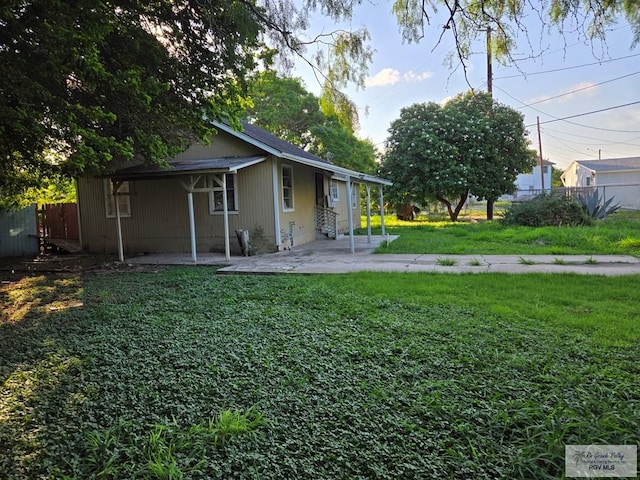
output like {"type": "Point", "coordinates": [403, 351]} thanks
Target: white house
{"type": "Point", "coordinates": [528, 184]}
{"type": "Point", "coordinates": [613, 177]}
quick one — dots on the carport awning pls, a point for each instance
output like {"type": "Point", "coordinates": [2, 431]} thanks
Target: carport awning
{"type": "Point", "coordinates": [186, 167]}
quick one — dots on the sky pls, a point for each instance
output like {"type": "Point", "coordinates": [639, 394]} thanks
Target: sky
{"type": "Point", "coordinates": [565, 78]}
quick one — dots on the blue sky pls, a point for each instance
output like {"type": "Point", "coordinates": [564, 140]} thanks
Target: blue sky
{"type": "Point", "coordinates": [403, 74]}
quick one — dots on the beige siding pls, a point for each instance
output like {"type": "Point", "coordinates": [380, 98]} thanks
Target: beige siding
{"type": "Point", "coordinates": [300, 221]}
{"type": "Point", "coordinates": [221, 145]}
{"type": "Point", "coordinates": [342, 207]}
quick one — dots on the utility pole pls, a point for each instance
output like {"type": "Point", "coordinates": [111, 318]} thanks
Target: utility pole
{"type": "Point", "coordinates": [540, 148]}
{"type": "Point", "coordinates": [489, 63]}
{"type": "Point", "coordinates": [490, 201]}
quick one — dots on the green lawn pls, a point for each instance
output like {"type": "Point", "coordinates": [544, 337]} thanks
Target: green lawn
{"type": "Point", "coordinates": [619, 235]}
{"type": "Point", "coordinates": [184, 374]}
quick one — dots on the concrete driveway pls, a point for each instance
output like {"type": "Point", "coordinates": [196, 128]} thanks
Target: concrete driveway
{"type": "Point", "coordinates": [333, 256]}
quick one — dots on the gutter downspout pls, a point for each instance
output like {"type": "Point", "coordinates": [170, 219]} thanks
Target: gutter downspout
{"type": "Point", "coordinates": [276, 205]}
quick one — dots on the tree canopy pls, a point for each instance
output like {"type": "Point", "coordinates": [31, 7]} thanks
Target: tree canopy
{"type": "Point", "coordinates": [84, 84]}
{"type": "Point", "coordinates": [472, 144]}
{"type": "Point", "coordinates": [323, 126]}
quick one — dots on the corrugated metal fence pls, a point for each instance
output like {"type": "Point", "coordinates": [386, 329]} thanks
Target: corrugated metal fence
{"type": "Point", "coordinates": [19, 232]}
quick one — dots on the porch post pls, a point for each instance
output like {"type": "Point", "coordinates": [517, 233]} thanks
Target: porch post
{"type": "Point", "coordinates": [367, 187]}
{"type": "Point", "coordinates": [225, 207]}
{"type": "Point", "coordinates": [352, 241]}
{"type": "Point", "coordinates": [116, 186]}
{"type": "Point", "coordinates": [192, 226]}
{"type": "Point", "coordinates": [381, 210]}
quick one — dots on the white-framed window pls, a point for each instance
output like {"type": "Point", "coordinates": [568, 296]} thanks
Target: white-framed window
{"type": "Point", "coordinates": [334, 191]}
{"type": "Point", "coordinates": [216, 205]}
{"type": "Point", "coordinates": [355, 195]}
{"type": "Point", "coordinates": [124, 200]}
{"type": "Point", "coordinates": [287, 188]}
{"type": "Point", "coordinates": [545, 169]}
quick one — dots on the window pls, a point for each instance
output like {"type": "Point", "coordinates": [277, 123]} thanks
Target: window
{"type": "Point", "coordinates": [215, 198]}
{"type": "Point", "coordinates": [545, 169]}
{"type": "Point", "coordinates": [287, 188]}
{"type": "Point", "coordinates": [355, 195]}
{"type": "Point", "coordinates": [124, 200]}
{"type": "Point", "coordinates": [333, 190]}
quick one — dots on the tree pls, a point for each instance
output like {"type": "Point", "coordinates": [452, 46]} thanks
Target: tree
{"type": "Point", "coordinates": [323, 126]}
{"type": "Point", "coordinates": [472, 144]}
{"type": "Point", "coordinates": [468, 21]}
{"type": "Point", "coordinates": [102, 83]}
{"type": "Point", "coordinates": [556, 177]}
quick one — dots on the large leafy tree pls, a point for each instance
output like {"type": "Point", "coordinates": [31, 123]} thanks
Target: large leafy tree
{"type": "Point", "coordinates": [100, 81]}
{"type": "Point", "coordinates": [94, 82]}
{"type": "Point", "coordinates": [323, 126]}
{"type": "Point", "coordinates": [472, 144]}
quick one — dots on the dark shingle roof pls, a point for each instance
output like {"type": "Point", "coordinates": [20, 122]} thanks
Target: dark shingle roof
{"type": "Point", "coordinates": [262, 136]}
{"type": "Point", "coordinates": [612, 164]}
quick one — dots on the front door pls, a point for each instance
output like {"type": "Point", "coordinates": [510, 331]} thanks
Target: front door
{"type": "Point", "coordinates": [320, 189]}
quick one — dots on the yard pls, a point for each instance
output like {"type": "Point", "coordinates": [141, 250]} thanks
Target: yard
{"type": "Point", "coordinates": [180, 373]}
{"type": "Point", "coordinates": [618, 235]}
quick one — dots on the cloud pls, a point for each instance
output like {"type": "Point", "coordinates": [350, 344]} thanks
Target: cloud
{"type": "Point", "coordinates": [391, 76]}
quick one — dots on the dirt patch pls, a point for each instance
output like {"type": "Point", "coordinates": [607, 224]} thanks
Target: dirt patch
{"type": "Point", "coordinates": [11, 268]}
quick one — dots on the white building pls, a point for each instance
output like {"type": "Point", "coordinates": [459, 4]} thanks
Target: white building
{"type": "Point", "coordinates": [613, 177]}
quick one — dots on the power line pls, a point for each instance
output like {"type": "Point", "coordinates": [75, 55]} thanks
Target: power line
{"type": "Point", "coordinates": [566, 68]}
{"type": "Point", "coordinates": [583, 88]}
{"type": "Point", "coordinates": [586, 113]}
{"type": "Point", "coordinates": [565, 119]}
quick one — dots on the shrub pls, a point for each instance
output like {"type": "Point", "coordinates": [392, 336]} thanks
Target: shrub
{"type": "Point", "coordinates": [546, 210]}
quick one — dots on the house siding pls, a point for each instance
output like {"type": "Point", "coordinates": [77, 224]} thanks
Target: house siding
{"type": "Point", "coordinates": [159, 220]}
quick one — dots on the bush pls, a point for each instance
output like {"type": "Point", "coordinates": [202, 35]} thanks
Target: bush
{"type": "Point", "coordinates": [546, 210]}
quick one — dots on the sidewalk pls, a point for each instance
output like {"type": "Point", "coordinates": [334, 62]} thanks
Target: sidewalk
{"type": "Point", "coordinates": [333, 256]}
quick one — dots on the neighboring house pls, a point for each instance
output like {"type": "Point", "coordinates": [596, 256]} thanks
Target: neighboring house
{"type": "Point", "coordinates": [612, 177]}
{"type": "Point", "coordinates": [528, 184]}
{"type": "Point", "coordinates": [249, 180]}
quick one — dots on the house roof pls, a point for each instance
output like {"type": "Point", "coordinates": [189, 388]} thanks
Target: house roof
{"type": "Point", "coordinates": [611, 164]}
{"type": "Point", "coordinates": [184, 167]}
{"type": "Point", "coordinates": [275, 146]}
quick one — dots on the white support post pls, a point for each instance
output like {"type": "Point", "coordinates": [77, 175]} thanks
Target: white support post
{"type": "Point", "coordinates": [381, 210]}
{"type": "Point", "coordinates": [192, 226]}
{"type": "Point", "coordinates": [352, 241]}
{"type": "Point", "coordinates": [225, 207]}
{"type": "Point", "coordinates": [116, 186]}
{"type": "Point", "coordinates": [367, 187]}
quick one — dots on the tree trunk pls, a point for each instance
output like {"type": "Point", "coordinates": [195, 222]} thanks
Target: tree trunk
{"type": "Point", "coordinates": [490, 202]}
{"type": "Point", "coordinates": [454, 212]}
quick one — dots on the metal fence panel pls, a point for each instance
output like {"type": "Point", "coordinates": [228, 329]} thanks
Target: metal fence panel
{"type": "Point", "coordinates": [19, 233]}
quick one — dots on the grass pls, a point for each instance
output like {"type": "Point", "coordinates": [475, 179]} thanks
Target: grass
{"type": "Point", "coordinates": [185, 374]}
{"type": "Point", "coordinates": [619, 234]}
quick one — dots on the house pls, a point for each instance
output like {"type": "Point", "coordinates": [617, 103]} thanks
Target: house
{"type": "Point", "coordinates": [531, 183]}
{"type": "Point", "coordinates": [247, 180]}
{"type": "Point", "coordinates": [612, 177]}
